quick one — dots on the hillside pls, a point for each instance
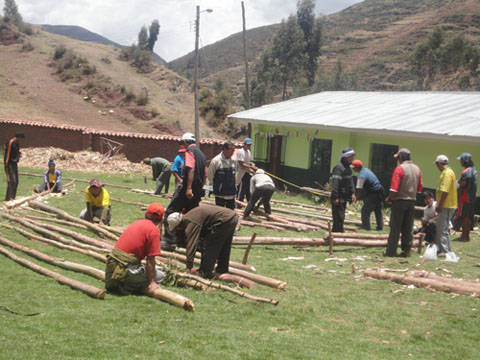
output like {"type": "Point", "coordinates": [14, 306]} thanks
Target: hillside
{"type": "Point", "coordinates": [80, 33]}
{"type": "Point", "coordinates": [103, 93]}
{"type": "Point", "coordinates": [373, 39]}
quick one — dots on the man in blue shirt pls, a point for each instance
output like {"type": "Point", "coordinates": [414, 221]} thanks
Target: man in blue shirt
{"type": "Point", "coordinates": [373, 194]}
{"type": "Point", "coordinates": [178, 166]}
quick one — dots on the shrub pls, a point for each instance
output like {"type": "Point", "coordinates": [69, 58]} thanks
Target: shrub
{"type": "Point", "coordinates": [142, 99]}
{"type": "Point", "coordinates": [60, 50]}
{"type": "Point", "coordinates": [27, 46]}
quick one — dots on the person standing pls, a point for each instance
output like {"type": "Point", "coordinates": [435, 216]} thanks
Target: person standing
{"type": "Point", "coordinates": [342, 189]}
{"type": "Point", "coordinates": [98, 203]}
{"type": "Point", "coordinates": [188, 195]}
{"type": "Point", "coordinates": [10, 161]}
{"type": "Point", "coordinates": [244, 157]}
{"type": "Point", "coordinates": [124, 272]}
{"type": "Point", "coordinates": [221, 173]}
{"type": "Point", "coordinates": [51, 180]}
{"type": "Point", "coordinates": [406, 183]}
{"type": "Point", "coordinates": [262, 188]}
{"type": "Point", "coordinates": [446, 196]}
{"type": "Point", "coordinates": [161, 172]}
{"type": "Point", "coordinates": [178, 166]}
{"type": "Point", "coordinates": [370, 188]}
{"type": "Point", "coordinates": [210, 228]}
{"type": "Point", "coordinates": [467, 186]}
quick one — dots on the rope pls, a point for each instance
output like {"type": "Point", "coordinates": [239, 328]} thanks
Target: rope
{"type": "Point", "coordinates": [294, 185]}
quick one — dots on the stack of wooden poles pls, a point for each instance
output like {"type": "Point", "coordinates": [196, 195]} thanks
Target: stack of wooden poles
{"type": "Point", "coordinates": [98, 247]}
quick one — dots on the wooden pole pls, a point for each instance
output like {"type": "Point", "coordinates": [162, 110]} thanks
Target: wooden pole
{"type": "Point", "coordinates": [89, 270]}
{"type": "Point", "coordinates": [65, 215]}
{"type": "Point", "coordinates": [330, 239]}
{"type": "Point", "coordinates": [56, 243]}
{"type": "Point", "coordinates": [172, 298]}
{"type": "Point", "coordinates": [250, 243]}
{"type": "Point", "coordinates": [245, 59]}
{"type": "Point", "coordinates": [420, 240]}
{"type": "Point", "coordinates": [74, 284]}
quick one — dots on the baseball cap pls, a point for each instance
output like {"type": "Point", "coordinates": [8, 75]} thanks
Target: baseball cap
{"type": "Point", "coordinates": [357, 163]}
{"type": "Point", "coordinates": [95, 182]}
{"type": "Point", "coordinates": [188, 136]}
{"type": "Point", "coordinates": [173, 220]}
{"type": "Point", "coordinates": [247, 141]}
{"type": "Point", "coordinates": [441, 159]}
{"type": "Point", "coordinates": [347, 152]}
{"type": "Point", "coordinates": [465, 156]}
{"type": "Point", "coordinates": [402, 151]}
{"type": "Point", "coordinates": [156, 210]}
{"type": "Point", "coordinates": [51, 162]}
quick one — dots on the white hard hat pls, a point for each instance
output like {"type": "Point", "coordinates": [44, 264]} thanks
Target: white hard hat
{"type": "Point", "coordinates": [188, 136]}
{"type": "Point", "coordinates": [173, 220]}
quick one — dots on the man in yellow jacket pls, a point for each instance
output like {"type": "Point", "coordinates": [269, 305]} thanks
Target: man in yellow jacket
{"type": "Point", "coordinates": [98, 203]}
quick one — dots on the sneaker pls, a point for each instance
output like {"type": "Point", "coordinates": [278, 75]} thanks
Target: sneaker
{"type": "Point", "coordinates": [405, 254]}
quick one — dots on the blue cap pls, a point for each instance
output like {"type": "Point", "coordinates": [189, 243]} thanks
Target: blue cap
{"type": "Point", "coordinates": [465, 156]}
{"type": "Point", "coordinates": [51, 162]}
{"type": "Point", "coordinates": [247, 141]}
{"type": "Point", "coordinates": [347, 152]}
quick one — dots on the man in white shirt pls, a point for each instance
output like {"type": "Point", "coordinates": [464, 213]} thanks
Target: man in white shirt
{"type": "Point", "coordinates": [244, 157]}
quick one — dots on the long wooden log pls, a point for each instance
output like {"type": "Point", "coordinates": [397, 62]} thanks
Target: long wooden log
{"type": "Point", "coordinates": [57, 244]}
{"type": "Point", "coordinates": [128, 202]}
{"type": "Point", "coordinates": [300, 205]}
{"type": "Point", "coordinates": [56, 221]}
{"type": "Point", "coordinates": [362, 236]}
{"type": "Point", "coordinates": [51, 234]}
{"type": "Point", "coordinates": [65, 215]}
{"type": "Point", "coordinates": [431, 275]}
{"type": "Point", "coordinates": [15, 203]}
{"type": "Point", "coordinates": [69, 265]}
{"type": "Point", "coordinates": [463, 289]}
{"type": "Point", "coordinates": [74, 284]}
{"type": "Point", "coordinates": [167, 196]}
{"type": "Point", "coordinates": [75, 235]}
{"type": "Point", "coordinates": [190, 283]}
{"type": "Point", "coordinates": [227, 288]}
{"type": "Point", "coordinates": [254, 224]}
{"type": "Point", "coordinates": [172, 298]}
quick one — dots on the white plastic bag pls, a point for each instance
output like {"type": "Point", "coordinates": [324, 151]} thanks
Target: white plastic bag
{"type": "Point", "coordinates": [430, 252]}
{"type": "Point", "coordinates": [451, 257]}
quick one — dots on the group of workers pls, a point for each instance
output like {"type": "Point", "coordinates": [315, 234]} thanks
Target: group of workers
{"type": "Point", "coordinates": [232, 175]}
{"type": "Point", "coordinates": [455, 200]}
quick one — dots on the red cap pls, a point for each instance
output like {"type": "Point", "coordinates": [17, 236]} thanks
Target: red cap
{"type": "Point", "coordinates": [156, 210]}
{"type": "Point", "coordinates": [95, 182]}
{"type": "Point", "coordinates": [357, 163]}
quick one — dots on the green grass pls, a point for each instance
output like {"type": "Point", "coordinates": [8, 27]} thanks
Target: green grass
{"type": "Point", "coordinates": [325, 313]}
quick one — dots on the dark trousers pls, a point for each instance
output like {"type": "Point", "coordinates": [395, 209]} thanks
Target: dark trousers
{"type": "Point", "coordinates": [244, 189]}
{"type": "Point", "coordinates": [163, 180]}
{"type": "Point", "coordinates": [372, 202]}
{"type": "Point", "coordinates": [401, 222]}
{"type": "Point", "coordinates": [215, 248]}
{"type": "Point", "coordinates": [264, 194]}
{"type": "Point", "coordinates": [338, 215]}
{"type": "Point", "coordinates": [43, 187]}
{"type": "Point", "coordinates": [430, 231]}
{"type": "Point", "coordinates": [228, 203]}
{"type": "Point", "coordinates": [12, 181]}
{"type": "Point", "coordinates": [178, 203]}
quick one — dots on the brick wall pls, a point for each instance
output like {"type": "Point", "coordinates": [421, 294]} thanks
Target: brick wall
{"type": "Point", "coordinates": [72, 138]}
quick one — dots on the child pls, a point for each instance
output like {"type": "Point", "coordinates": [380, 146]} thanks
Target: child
{"type": "Point", "coordinates": [51, 180]}
{"type": "Point", "coordinates": [429, 217]}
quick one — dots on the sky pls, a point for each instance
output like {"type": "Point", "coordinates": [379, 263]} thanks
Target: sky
{"type": "Point", "coordinates": [121, 20]}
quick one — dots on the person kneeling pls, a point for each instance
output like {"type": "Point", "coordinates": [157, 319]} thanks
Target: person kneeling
{"type": "Point", "coordinates": [98, 203]}
{"type": "Point", "coordinates": [124, 273]}
{"type": "Point", "coordinates": [210, 228]}
{"type": "Point", "coordinates": [51, 180]}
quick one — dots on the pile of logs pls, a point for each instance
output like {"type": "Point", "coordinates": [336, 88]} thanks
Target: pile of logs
{"type": "Point", "coordinates": [97, 248]}
{"type": "Point", "coordinates": [429, 281]}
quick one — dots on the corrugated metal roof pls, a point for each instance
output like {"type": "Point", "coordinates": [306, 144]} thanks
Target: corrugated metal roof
{"type": "Point", "coordinates": [418, 113]}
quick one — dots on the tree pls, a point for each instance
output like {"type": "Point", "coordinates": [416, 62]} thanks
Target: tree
{"type": "Point", "coordinates": [153, 34]}
{"type": "Point", "coordinates": [312, 33]}
{"type": "Point", "coordinates": [10, 12]}
{"type": "Point", "coordinates": [143, 38]}
{"type": "Point", "coordinates": [288, 52]}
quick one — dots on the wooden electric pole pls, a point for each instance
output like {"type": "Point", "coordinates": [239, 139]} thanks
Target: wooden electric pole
{"type": "Point", "coordinates": [195, 78]}
{"type": "Point", "coordinates": [247, 88]}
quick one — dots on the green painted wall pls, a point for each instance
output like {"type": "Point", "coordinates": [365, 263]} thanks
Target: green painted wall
{"type": "Point", "coordinates": [424, 152]}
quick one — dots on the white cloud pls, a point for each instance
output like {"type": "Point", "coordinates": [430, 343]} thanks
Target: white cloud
{"type": "Point", "coordinates": [121, 20]}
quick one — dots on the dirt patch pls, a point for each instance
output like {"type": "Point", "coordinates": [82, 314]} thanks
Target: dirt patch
{"type": "Point", "coordinates": [80, 161]}
{"type": "Point", "coordinates": [168, 129]}
{"type": "Point", "coordinates": [140, 113]}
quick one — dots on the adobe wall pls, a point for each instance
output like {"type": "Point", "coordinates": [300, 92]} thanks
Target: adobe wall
{"type": "Point", "coordinates": [135, 146]}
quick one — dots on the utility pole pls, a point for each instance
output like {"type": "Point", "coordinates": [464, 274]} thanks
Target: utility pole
{"type": "Point", "coordinates": [247, 88]}
{"type": "Point", "coordinates": [195, 78]}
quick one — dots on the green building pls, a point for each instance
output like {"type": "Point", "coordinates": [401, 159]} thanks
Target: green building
{"type": "Point", "coordinates": [301, 139]}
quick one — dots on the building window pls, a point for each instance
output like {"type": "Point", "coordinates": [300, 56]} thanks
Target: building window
{"type": "Point", "coordinates": [382, 162]}
{"type": "Point", "coordinates": [320, 160]}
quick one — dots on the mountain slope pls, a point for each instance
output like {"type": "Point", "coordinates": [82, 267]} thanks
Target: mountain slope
{"type": "Point", "coordinates": [33, 88]}
{"type": "Point", "coordinates": [80, 33]}
{"type": "Point", "coordinates": [373, 39]}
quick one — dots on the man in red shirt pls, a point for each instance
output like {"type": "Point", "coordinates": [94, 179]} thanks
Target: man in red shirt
{"type": "Point", "coordinates": [406, 183]}
{"type": "Point", "coordinates": [124, 272]}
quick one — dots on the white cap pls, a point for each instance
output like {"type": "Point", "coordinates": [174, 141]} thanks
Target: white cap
{"type": "Point", "coordinates": [173, 220]}
{"type": "Point", "coordinates": [188, 136]}
{"type": "Point", "coordinates": [441, 159]}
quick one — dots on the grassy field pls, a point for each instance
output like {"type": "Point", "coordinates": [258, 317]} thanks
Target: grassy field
{"type": "Point", "coordinates": [326, 312]}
